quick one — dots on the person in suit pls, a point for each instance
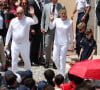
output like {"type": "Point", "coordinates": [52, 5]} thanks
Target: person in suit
{"type": "Point", "coordinates": [36, 37]}
{"type": "Point", "coordinates": [49, 8]}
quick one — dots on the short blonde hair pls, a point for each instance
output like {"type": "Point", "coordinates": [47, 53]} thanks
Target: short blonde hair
{"type": "Point", "coordinates": [81, 25]}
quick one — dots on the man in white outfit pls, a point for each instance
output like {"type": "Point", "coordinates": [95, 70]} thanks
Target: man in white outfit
{"type": "Point", "coordinates": [19, 31]}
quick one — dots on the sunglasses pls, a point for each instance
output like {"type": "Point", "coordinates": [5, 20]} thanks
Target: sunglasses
{"type": "Point", "coordinates": [19, 13]}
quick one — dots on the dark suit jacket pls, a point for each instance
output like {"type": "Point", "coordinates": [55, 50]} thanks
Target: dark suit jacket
{"type": "Point", "coordinates": [38, 14]}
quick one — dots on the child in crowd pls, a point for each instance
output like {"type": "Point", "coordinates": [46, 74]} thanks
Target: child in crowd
{"type": "Point", "coordinates": [59, 79]}
{"type": "Point", "coordinates": [30, 83]}
{"type": "Point", "coordinates": [11, 80]}
{"type": "Point", "coordinates": [73, 81]}
{"type": "Point", "coordinates": [80, 36]}
{"type": "Point", "coordinates": [88, 46]}
{"type": "Point", "coordinates": [49, 76]}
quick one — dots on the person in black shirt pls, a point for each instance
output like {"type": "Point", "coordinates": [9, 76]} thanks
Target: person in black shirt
{"type": "Point", "coordinates": [88, 46]}
{"type": "Point", "coordinates": [37, 36]}
{"type": "Point", "coordinates": [80, 36]}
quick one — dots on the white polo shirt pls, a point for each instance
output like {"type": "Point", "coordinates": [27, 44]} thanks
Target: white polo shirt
{"type": "Point", "coordinates": [82, 5]}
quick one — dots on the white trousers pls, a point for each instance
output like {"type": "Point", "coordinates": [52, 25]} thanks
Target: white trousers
{"type": "Point", "coordinates": [59, 57]}
{"type": "Point", "coordinates": [23, 49]}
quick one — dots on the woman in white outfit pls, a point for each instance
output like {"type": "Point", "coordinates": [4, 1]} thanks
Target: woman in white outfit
{"type": "Point", "coordinates": [63, 31]}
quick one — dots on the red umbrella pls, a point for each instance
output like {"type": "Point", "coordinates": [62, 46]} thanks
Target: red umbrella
{"type": "Point", "coordinates": [88, 69]}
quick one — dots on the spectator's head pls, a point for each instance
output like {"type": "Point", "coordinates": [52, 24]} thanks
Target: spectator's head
{"type": "Point", "coordinates": [10, 78]}
{"type": "Point", "coordinates": [89, 34]}
{"type": "Point", "coordinates": [49, 74]}
{"type": "Point", "coordinates": [41, 84]}
{"type": "Point", "coordinates": [30, 83]}
{"type": "Point", "coordinates": [77, 80]}
{"type": "Point", "coordinates": [48, 87]}
{"type": "Point", "coordinates": [24, 3]}
{"type": "Point", "coordinates": [59, 79]}
{"type": "Point", "coordinates": [81, 27]}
